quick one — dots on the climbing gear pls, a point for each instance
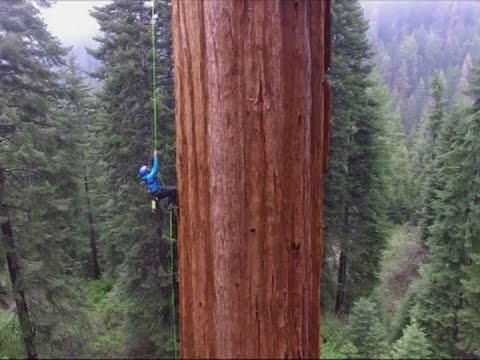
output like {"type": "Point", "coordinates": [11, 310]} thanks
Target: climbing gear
{"type": "Point", "coordinates": [154, 205]}
{"type": "Point", "coordinates": [171, 207]}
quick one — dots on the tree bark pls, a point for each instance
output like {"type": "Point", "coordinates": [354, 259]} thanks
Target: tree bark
{"type": "Point", "coordinates": [97, 273]}
{"type": "Point", "coordinates": [342, 264]}
{"type": "Point", "coordinates": [13, 262]}
{"type": "Point", "coordinates": [341, 280]}
{"type": "Point", "coordinates": [253, 116]}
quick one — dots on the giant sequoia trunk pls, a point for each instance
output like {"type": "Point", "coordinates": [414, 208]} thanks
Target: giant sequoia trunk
{"type": "Point", "coordinates": [13, 263]}
{"type": "Point", "coordinates": [253, 112]}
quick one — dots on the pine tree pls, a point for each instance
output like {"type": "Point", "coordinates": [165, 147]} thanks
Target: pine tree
{"type": "Point", "coordinates": [470, 314]}
{"type": "Point", "coordinates": [354, 207]}
{"type": "Point", "coordinates": [430, 150]}
{"type": "Point", "coordinates": [38, 184]}
{"type": "Point", "coordinates": [400, 191]}
{"type": "Point", "coordinates": [441, 295]}
{"type": "Point", "coordinates": [465, 78]}
{"type": "Point", "coordinates": [367, 331]}
{"type": "Point", "coordinates": [412, 345]}
{"type": "Point", "coordinates": [78, 108]}
{"type": "Point", "coordinates": [421, 96]}
{"type": "Point", "coordinates": [439, 291]}
{"type": "Point", "coordinates": [134, 239]}
{"type": "Point", "coordinates": [467, 180]}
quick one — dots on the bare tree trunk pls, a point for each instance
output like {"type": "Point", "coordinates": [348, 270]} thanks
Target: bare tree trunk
{"type": "Point", "coordinates": [341, 279]}
{"type": "Point", "coordinates": [253, 115]}
{"type": "Point", "coordinates": [13, 262]}
{"type": "Point", "coordinates": [97, 273]}
{"type": "Point", "coordinates": [342, 265]}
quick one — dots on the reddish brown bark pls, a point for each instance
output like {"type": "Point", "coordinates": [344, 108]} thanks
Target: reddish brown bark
{"type": "Point", "coordinates": [252, 123]}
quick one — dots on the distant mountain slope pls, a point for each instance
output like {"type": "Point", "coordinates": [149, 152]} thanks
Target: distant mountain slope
{"type": "Point", "coordinates": [415, 38]}
{"type": "Point", "coordinates": [86, 61]}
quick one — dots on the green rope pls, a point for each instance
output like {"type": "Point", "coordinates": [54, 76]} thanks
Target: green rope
{"type": "Point", "coordinates": [154, 78]}
{"type": "Point", "coordinates": [155, 143]}
{"type": "Point", "coordinates": [172, 270]}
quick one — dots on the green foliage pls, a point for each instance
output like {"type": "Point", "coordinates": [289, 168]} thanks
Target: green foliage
{"type": "Point", "coordinates": [400, 192]}
{"type": "Point", "coordinates": [467, 189]}
{"type": "Point", "coordinates": [429, 271]}
{"type": "Point", "coordinates": [108, 345]}
{"type": "Point", "coordinates": [448, 290]}
{"type": "Point", "coordinates": [355, 205]}
{"type": "Point", "coordinates": [335, 343]}
{"type": "Point", "coordinates": [401, 261]}
{"type": "Point", "coordinates": [332, 350]}
{"type": "Point", "coordinates": [402, 317]}
{"type": "Point", "coordinates": [98, 290]}
{"type": "Point", "coordinates": [108, 318]}
{"type": "Point", "coordinates": [431, 149]}
{"type": "Point", "coordinates": [134, 240]}
{"type": "Point", "coordinates": [412, 345]}
{"type": "Point", "coordinates": [367, 332]}
{"type": "Point", "coordinates": [11, 344]}
{"type": "Point", "coordinates": [470, 314]}
{"type": "Point", "coordinates": [41, 183]}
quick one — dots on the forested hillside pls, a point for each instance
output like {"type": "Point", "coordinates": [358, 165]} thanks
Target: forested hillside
{"type": "Point", "coordinates": [413, 39]}
{"type": "Point", "coordinates": [402, 270]}
{"type": "Point", "coordinates": [87, 270]}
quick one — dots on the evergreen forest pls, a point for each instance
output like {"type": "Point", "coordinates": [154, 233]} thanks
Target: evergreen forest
{"type": "Point", "coordinates": [87, 270]}
{"type": "Point", "coordinates": [401, 274]}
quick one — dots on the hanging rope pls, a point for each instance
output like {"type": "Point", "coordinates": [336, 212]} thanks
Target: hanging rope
{"type": "Point", "coordinates": [172, 271]}
{"type": "Point", "coordinates": [155, 143]}
{"type": "Point", "coordinates": [154, 78]}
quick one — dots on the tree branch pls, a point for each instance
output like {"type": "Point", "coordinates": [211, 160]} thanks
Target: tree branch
{"type": "Point", "coordinates": [6, 129]}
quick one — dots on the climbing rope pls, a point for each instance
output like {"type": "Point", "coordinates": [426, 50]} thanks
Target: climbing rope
{"type": "Point", "coordinates": [172, 271]}
{"type": "Point", "coordinates": [154, 78]}
{"type": "Point", "coordinates": [155, 143]}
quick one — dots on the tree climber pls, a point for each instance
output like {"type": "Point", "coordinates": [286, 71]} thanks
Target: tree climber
{"type": "Point", "coordinates": [155, 186]}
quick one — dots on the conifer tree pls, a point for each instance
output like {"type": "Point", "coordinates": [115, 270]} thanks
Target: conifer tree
{"type": "Point", "coordinates": [465, 78]}
{"type": "Point", "coordinates": [441, 293]}
{"type": "Point", "coordinates": [412, 345]}
{"type": "Point", "coordinates": [399, 193]}
{"type": "Point", "coordinates": [38, 184]}
{"type": "Point", "coordinates": [438, 297]}
{"type": "Point", "coordinates": [78, 108]}
{"type": "Point", "coordinates": [134, 239]}
{"type": "Point", "coordinates": [354, 207]}
{"type": "Point", "coordinates": [467, 180]}
{"type": "Point", "coordinates": [429, 152]}
{"type": "Point", "coordinates": [367, 331]}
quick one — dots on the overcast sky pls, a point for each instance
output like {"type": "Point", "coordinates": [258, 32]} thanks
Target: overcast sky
{"type": "Point", "coordinates": [70, 21]}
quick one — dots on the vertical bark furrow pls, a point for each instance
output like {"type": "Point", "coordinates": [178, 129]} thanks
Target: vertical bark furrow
{"type": "Point", "coordinates": [251, 131]}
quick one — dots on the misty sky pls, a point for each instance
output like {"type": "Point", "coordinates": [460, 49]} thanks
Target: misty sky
{"type": "Point", "coordinates": [70, 21]}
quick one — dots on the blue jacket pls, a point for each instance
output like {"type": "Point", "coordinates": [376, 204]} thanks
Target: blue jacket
{"type": "Point", "coordinates": [154, 185]}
